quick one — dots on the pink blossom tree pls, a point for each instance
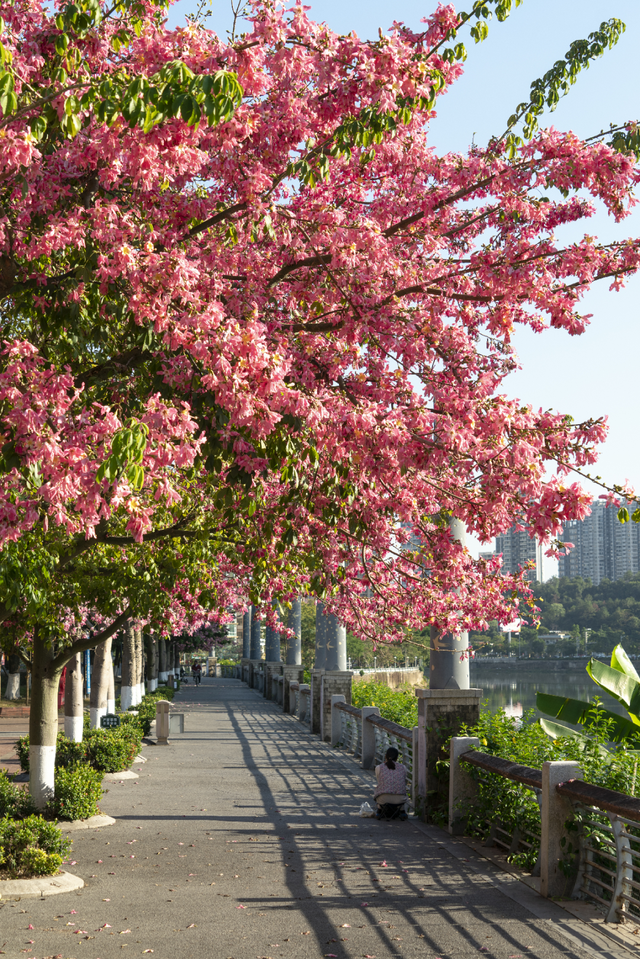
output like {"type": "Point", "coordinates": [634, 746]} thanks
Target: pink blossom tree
{"type": "Point", "coordinates": [256, 328]}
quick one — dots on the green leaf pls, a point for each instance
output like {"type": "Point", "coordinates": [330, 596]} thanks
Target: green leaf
{"type": "Point", "coordinates": [576, 712]}
{"type": "Point", "coordinates": [558, 731]}
{"type": "Point", "coordinates": [622, 687]}
{"type": "Point", "coordinates": [620, 661]}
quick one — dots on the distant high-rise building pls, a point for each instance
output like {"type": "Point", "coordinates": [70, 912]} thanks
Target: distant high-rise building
{"type": "Point", "coordinates": [603, 547]}
{"type": "Point", "coordinates": [518, 548]}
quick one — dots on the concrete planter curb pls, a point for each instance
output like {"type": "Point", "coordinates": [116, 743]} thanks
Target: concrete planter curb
{"type": "Point", "coordinates": [93, 822]}
{"type": "Point", "coordinates": [116, 777]}
{"type": "Point", "coordinates": [39, 887]}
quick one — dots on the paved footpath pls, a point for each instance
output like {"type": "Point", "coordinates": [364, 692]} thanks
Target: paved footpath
{"type": "Point", "coordinates": [241, 840]}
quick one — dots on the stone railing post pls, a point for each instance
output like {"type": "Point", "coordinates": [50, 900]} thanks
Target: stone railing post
{"type": "Point", "coordinates": [334, 682]}
{"type": "Point", "coordinates": [555, 810]}
{"type": "Point", "coordinates": [304, 704]}
{"type": "Point", "coordinates": [336, 725]}
{"type": "Point", "coordinates": [291, 674]}
{"type": "Point", "coordinates": [315, 700]}
{"type": "Point", "coordinates": [414, 765]}
{"type": "Point", "coordinates": [368, 737]}
{"type": "Point", "coordinates": [441, 715]}
{"type": "Point", "coordinates": [462, 786]}
{"type": "Point", "coordinates": [163, 707]}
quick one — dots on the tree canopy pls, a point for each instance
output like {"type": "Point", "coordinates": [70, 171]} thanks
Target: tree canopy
{"type": "Point", "coordinates": [256, 328]}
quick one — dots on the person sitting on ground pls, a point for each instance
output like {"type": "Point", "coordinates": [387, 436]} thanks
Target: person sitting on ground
{"type": "Point", "coordinates": [390, 792]}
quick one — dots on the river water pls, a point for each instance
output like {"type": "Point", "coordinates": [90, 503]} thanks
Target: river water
{"type": "Point", "coordinates": [514, 689]}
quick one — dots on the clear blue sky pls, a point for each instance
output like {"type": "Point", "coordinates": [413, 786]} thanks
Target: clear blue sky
{"type": "Point", "coordinates": [597, 373]}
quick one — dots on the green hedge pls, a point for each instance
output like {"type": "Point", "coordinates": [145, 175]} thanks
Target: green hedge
{"type": "Point", "coordinates": [31, 847]}
{"type": "Point", "coordinates": [398, 705]}
{"type": "Point", "coordinates": [15, 801]}
{"type": "Point", "coordinates": [78, 791]}
{"type": "Point", "coordinates": [107, 750]}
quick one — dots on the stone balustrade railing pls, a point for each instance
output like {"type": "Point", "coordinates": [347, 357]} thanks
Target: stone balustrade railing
{"type": "Point", "coordinates": [604, 823]}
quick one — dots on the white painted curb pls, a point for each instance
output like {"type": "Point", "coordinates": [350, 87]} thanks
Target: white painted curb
{"type": "Point", "coordinates": [116, 777]}
{"type": "Point", "coordinates": [39, 887]}
{"type": "Point", "coordinates": [93, 822]}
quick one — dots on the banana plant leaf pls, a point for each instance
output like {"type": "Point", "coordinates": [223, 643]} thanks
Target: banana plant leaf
{"type": "Point", "coordinates": [558, 731]}
{"type": "Point", "coordinates": [621, 662]}
{"type": "Point", "coordinates": [624, 688]}
{"type": "Point", "coordinates": [575, 711]}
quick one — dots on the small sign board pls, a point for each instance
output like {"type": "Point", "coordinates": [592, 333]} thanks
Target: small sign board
{"type": "Point", "coordinates": [110, 721]}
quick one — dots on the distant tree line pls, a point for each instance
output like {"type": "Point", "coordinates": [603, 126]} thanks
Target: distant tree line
{"type": "Point", "coordinates": [596, 617]}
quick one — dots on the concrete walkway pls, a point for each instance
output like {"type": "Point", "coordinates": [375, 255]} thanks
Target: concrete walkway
{"type": "Point", "coordinates": [276, 862]}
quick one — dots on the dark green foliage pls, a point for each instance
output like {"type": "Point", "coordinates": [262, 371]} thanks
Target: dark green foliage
{"type": "Point", "coordinates": [515, 806]}
{"type": "Point", "coordinates": [112, 750]}
{"type": "Point", "coordinates": [15, 801]}
{"type": "Point", "coordinates": [609, 610]}
{"type": "Point", "coordinates": [22, 749]}
{"type": "Point", "coordinates": [78, 791]}
{"type": "Point", "coordinates": [107, 750]}
{"type": "Point", "coordinates": [68, 752]}
{"type": "Point", "coordinates": [31, 847]}
{"type": "Point", "coordinates": [398, 705]}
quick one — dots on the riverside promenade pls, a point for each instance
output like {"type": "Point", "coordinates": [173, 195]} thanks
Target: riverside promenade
{"type": "Point", "coordinates": [241, 840]}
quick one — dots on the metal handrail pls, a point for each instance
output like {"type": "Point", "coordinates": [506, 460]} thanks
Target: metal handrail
{"type": "Point", "coordinates": [346, 708]}
{"type": "Point", "coordinates": [393, 729]}
{"type": "Point", "coordinates": [504, 767]}
{"type": "Point", "coordinates": [628, 807]}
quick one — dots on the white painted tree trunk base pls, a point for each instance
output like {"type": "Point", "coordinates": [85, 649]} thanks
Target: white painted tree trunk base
{"type": "Point", "coordinates": [126, 698]}
{"type": "Point", "coordinates": [13, 686]}
{"type": "Point", "coordinates": [73, 728]}
{"type": "Point", "coordinates": [95, 713]}
{"type": "Point", "coordinates": [111, 706]}
{"type": "Point", "coordinates": [141, 692]}
{"type": "Point", "coordinates": [42, 764]}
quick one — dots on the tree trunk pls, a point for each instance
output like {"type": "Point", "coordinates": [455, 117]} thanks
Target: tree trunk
{"type": "Point", "coordinates": [43, 722]}
{"type": "Point", "coordinates": [100, 683]}
{"type": "Point", "coordinates": [73, 701]}
{"type": "Point", "coordinates": [139, 665]}
{"type": "Point", "coordinates": [148, 652]}
{"type": "Point", "coordinates": [156, 662]}
{"type": "Point", "coordinates": [128, 666]}
{"type": "Point", "coordinates": [13, 680]}
{"type": "Point", "coordinates": [177, 661]}
{"type": "Point", "coordinates": [111, 692]}
{"type": "Point", "coordinates": [162, 670]}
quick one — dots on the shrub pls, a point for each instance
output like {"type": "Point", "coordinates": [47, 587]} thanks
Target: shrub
{"type": "Point", "coordinates": [15, 801]}
{"type": "Point", "coordinates": [111, 750]}
{"type": "Point", "coordinates": [68, 752]}
{"type": "Point", "coordinates": [31, 847]}
{"type": "Point", "coordinates": [107, 750]}
{"type": "Point", "coordinates": [78, 790]}
{"type": "Point", "coordinates": [22, 749]}
{"type": "Point", "coordinates": [398, 705]}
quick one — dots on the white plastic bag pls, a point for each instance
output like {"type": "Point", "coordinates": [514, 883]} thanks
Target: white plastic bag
{"type": "Point", "coordinates": [366, 811]}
